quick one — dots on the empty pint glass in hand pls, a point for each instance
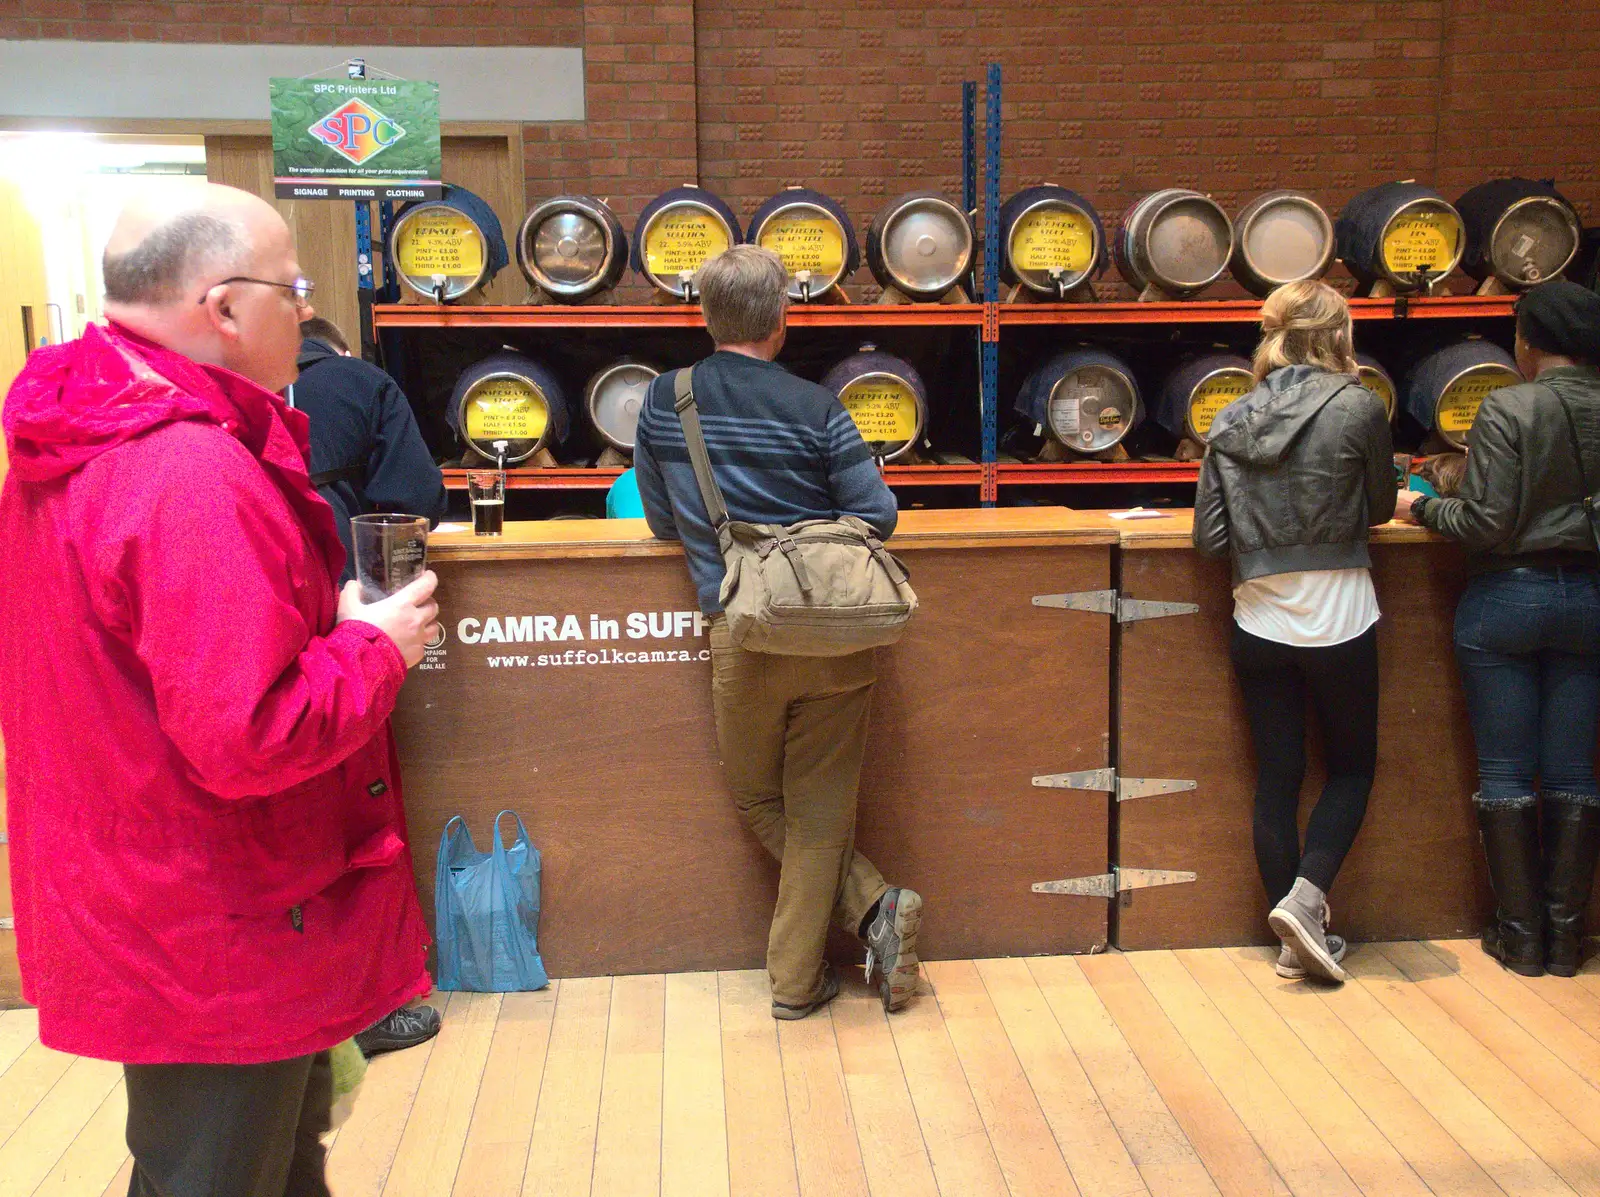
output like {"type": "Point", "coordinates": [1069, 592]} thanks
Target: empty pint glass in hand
{"type": "Point", "coordinates": [487, 490]}
{"type": "Point", "coordinates": [391, 553]}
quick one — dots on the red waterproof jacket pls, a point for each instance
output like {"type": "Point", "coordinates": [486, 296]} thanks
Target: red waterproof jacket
{"type": "Point", "coordinates": [208, 854]}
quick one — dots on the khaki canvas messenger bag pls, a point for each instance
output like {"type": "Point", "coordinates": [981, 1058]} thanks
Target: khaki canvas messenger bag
{"type": "Point", "coordinates": [819, 588]}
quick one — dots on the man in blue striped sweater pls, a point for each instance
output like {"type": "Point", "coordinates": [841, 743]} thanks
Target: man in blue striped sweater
{"type": "Point", "coordinates": [792, 730]}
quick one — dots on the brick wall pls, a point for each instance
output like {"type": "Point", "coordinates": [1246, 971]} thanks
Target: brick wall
{"type": "Point", "coordinates": [1110, 97]}
{"type": "Point", "coordinates": [402, 23]}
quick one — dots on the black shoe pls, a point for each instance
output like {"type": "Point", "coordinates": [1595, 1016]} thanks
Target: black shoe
{"type": "Point", "coordinates": [1571, 846]}
{"type": "Point", "coordinates": [829, 991]}
{"type": "Point", "coordinates": [406, 1027]}
{"type": "Point", "coordinates": [1511, 844]}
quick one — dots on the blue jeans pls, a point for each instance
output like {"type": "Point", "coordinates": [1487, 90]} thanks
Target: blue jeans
{"type": "Point", "coordinates": [1528, 646]}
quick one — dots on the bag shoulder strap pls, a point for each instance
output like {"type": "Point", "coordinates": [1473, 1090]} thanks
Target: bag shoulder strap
{"type": "Point", "coordinates": [1588, 498]}
{"type": "Point", "coordinates": [694, 437]}
{"type": "Point", "coordinates": [355, 475]}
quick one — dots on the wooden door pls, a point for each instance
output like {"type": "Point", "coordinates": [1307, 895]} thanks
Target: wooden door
{"type": "Point", "coordinates": [488, 164]}
{"type": "Point", "coordinates": [23, 315]}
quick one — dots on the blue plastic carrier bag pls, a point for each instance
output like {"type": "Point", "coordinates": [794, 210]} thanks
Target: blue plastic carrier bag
{"type": "Point", "coordinates": [486, 906]}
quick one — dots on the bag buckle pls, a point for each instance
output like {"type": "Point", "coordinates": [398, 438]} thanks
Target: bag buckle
{"type": "Point", "coordinates": [791, 553]}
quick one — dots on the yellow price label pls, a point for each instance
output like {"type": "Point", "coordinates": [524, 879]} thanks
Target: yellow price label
{"type": "Point", "coordinates": [812, 243]}
{"type": "Point", "coordinates": [1378, 383]}
{"type": "Point", "coordinates": [506, 409]}
{"type": "Point", "coordinates": [680, 240]}
{"type": "Point", "coordinates": [1053, 239]}
{"type": "Point", "coordinates": [441, 241]}
{"type": "Point", "coordinates": [1458, 406]}
{"type": "Point", "coordinates": [1422, 241]}
{"type": "Point", "coordinates": [1214, 394]}
{"type": "Point", "coordinates": [884, 409]}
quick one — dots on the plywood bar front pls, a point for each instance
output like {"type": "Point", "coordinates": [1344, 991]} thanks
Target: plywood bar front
{"type": "Point", "coordinates": [539, 701]}
{"type": "Point", "coordinates": [1416, 871]}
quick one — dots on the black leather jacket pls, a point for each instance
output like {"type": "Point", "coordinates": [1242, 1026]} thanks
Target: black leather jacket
{"type": "Point", "coordinates": [1294, 474]}
{"type": "Point", "coordinates": [1521, 500]}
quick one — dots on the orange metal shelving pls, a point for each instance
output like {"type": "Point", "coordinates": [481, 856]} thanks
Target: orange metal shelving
{"type": "Point", "coordinates": [1089, 472]}
{"type": "Point", "coordinates": [599, 478]}
{"type": "Point", "coordinates": [1241, 311]}
{"type": "Point", "coordinates": [926, 315]}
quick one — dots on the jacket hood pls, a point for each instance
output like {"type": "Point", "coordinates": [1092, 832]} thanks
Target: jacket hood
{"type": "Point", "coordinates": [76, 400]}
{"type": "Point", "coordinates": [73, 402]}
{"type": "Point", "coordinates": [313, 351]}
{"type": "Point", "coordinates": [1260, 428]}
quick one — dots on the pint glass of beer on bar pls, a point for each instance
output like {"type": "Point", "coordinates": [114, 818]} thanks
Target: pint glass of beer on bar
{"type": "Point", "coordinates": [487, 490]}
{"type": "Point", "coordinates": [391, 553]}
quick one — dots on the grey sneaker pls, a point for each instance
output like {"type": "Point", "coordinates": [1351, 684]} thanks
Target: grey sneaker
{"type": "Point", "coordinates": [1301, 921]}
{"type": "Point", "coordinates": [405, 1027]}
{"type": "Point", "coordinates": [830, 990]}
{"type": "Point", "coordinates": [892, 946]}
{"type": "Point", "coordinates": [1289, 960]}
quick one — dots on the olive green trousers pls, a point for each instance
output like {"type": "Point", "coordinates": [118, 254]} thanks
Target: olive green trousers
{"type": "Point", "coordinates": [792, 731]}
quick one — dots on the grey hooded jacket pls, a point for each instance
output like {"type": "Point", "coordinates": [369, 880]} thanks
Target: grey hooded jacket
{"type": "Point", "coordinates": [1294, 474]}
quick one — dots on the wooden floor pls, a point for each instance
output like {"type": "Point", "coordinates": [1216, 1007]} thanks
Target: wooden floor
{"type": "Point", "coordinates": [1157, 1072]}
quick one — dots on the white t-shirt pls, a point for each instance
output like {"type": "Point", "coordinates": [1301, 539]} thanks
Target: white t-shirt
{"type": "Point", "coordinates": [1312, 608]}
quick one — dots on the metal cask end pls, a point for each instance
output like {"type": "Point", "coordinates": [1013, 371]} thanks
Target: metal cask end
{"type": "Point", "coordinates": [572, 247]}
{"type": "Point", "coordinates": [813, 235]}
{"type": "Point", "coordinates": [508, 405]}
{"type": "Point", "coordinates": [1197, 391]}
{"type": "Point", "coordinates": [1402, 234]}
{"type": "Point", "coordinates": [613, 399]}
{"type": "Point", "coordinates": [1176, 240]}
{"type": "Point", "coordinates": [921, 245]}
{"type": "Point", "coordinates": [1051, 241]}
{"type": "Point", "coordinates": [1281, 237]}
{"type": "Point", "coordinates": [448, 248]}
{"type": "Point", "coordinates": [886, 398]}
{"type": "Point", "coordinates": [1086, 400]}
{"type": "Point", "coordinates": [1376, 378]}
{"type": "Point", "coordinates": [1447, 387]}
{"type": "Point", "coordinates": [1519, 232]}
{"type": "Point", "coordinates": [677, 232]}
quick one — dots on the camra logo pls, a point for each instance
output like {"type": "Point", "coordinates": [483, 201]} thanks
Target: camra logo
{"type": "Point", "coordinates": [437, 639]}
{"type": "Point", "coordinates": [357, 131]}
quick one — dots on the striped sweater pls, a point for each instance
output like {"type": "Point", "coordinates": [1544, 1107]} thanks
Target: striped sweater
{"type": "Point", "coordinates": [782, 449]}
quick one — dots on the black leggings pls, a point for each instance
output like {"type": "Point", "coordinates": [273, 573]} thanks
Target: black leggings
{"type": "Point", "coordinates": [1343, 685]}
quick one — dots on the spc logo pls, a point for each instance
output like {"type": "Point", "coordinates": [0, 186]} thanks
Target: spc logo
{"type": "Point", "coordinates": [357, 131]}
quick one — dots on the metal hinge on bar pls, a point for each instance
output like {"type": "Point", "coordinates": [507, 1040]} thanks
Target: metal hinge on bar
{"type": "Point", "coordinates": [1117, 881]}
{"type": "Point", "coordinates": [1109, 602]}
{"type": "Point", "coordinates": [1107, 781]}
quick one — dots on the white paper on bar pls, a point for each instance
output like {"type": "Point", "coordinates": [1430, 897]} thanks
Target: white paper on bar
{"type": "Point", "coordinates": [451, 528]}
{"type": "Point", "coordinates": [1139, 513]}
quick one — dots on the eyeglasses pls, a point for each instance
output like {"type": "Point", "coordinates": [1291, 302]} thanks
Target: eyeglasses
{"type": "Point", "coordinates": [301, 288]}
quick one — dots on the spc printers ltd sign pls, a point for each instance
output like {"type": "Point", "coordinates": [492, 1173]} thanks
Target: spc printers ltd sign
{"type": "Point", "coordinates": [356, 139]}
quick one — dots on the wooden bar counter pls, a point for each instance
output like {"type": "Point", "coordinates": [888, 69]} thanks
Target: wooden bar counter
{"type": "Point", "coordinates": [1416, 870]}
{"type": "Point", "coordinates": [573, 686]}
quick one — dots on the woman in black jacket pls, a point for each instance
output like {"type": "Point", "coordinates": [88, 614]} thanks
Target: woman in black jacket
{"type": "Point", "coordinates": [1527, 628]}
{"type": "Point", "coordinates": [1295, 472]}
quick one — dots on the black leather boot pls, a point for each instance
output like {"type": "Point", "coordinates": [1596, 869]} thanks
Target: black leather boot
{"type": "Point", "coordinates": [1571, 844]}
{"type": "Point", "coordinates": [1511, 843]}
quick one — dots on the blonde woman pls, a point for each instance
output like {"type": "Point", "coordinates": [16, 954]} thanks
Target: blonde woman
{"type": "Point", "coordinates": [1294, 475]}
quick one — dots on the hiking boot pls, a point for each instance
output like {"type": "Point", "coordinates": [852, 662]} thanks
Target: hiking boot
{"type": "Point", "coordinates": [892, 946]}
{"type": "Point", "coordinates": [830, 990]}
{"type": "Point", "coordinates": [1301, 921]}
{"type": "Point", "coordinates": [406, 1027]}
{"type": "Point", "coordinates": [1571, 845]}
{"type": "Point", "coordinates": [1510, 837]}
{"type": "Point", "coordinates": [1289, 960]}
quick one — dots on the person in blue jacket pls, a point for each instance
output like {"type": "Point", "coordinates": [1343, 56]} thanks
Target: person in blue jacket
{"type": "Point", "coordinates": [367, 453]}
